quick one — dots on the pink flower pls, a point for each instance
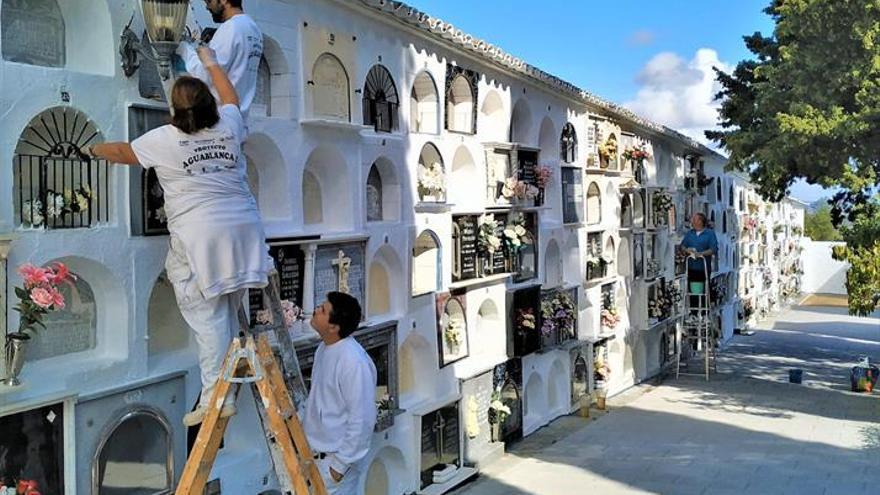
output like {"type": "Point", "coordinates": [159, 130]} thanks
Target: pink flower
{"type": "Point", "coordinates": [57, 298]}
{"type": "Point", "coordinates": [33, 275]}
{"type": "Point", "coordinates": [60, 274]}
{"type": "Point", "coordinates": [42, 297]}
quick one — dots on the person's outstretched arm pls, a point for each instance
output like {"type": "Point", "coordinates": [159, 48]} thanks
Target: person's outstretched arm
{"type": "Point", "coordinates": [225, 89]}
{"type": "Point", "coordinates": [113, 152]}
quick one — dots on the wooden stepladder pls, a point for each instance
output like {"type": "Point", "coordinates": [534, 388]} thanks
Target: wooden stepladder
{"type": "Point", "coordinates": [251, 360]}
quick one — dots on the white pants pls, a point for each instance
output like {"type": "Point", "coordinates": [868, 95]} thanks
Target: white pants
{"type": "Point", "coordinates": [214, 321]}
{"type": "Point", "coordinates": [348, 485]}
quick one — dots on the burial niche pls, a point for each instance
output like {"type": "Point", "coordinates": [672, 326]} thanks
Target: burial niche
{"type": "Point", "coordinates": [424, 105]}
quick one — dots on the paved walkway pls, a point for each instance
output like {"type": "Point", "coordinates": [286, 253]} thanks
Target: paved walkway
{"type": "Point", "coordinates": [747, 431]}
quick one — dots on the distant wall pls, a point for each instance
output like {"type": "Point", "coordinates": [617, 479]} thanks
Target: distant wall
{"type": "Point", "coordinates": [822, 274]}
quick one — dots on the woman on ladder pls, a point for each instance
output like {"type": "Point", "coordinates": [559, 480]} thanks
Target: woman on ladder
{"type": "Point", "coordinates": [217, 245]}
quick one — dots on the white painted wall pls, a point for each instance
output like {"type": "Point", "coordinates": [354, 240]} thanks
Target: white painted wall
{"type": "Point", "coordinates": [822, 274]}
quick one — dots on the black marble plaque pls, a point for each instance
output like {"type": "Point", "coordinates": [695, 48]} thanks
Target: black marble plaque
{"type": "Point", "coordinates": [527, 163]}
{"type": "Point", "coordinates": [499, 258]}
{"type": "Point", "coordinates": [523, 340]}
{"type": "Point", "coordinates": [440, 442]}
{"type": "Point", "coordinates": [467, 231]}
{"type": "Point", "coordinates": [507, 381]}
{"type": "Point", "coordinates": [572, 195]}
{"type": "Point", "coordinates": [290, 263]}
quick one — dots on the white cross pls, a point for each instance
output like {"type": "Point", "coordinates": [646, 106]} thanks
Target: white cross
{"type": "Point", "coordinates": [342, 264]}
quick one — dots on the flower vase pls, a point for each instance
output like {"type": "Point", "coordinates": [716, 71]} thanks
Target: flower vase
{"type": "Point", "coordinates": [601, 395]}
{"type": "Point", "coordinates": [16, 347]}
{"type": "Point", "coordinates": [485, 264]}
{"type": "Point", "coordinates": [495, 431]}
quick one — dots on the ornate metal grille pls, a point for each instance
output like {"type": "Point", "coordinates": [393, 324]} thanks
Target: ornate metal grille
{"type": "Point", "coordinates": [56, 185]}
{"type": "Point", "coordinates": [380, 100]}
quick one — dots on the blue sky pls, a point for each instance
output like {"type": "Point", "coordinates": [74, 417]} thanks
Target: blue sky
{"type": "Point", "coordinates": [655, 57]}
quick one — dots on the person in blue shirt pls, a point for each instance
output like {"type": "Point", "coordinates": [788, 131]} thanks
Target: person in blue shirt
{"type": "Point", "coordinates": [699, 243]}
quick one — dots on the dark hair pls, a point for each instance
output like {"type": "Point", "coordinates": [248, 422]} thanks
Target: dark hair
{"type": "Point", "coordinates": [345, 312]}
{"type": "Point", "coordinates": [194, 106]}
{"type": "Point", "coordinates": [235, 3]}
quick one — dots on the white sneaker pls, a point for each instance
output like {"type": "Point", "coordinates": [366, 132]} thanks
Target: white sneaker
{"type": "Point", "coordinates": [198, 415]}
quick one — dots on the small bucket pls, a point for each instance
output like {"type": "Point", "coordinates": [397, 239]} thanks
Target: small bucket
{"type": "Point", "coordinates": [697, 287]}
{"type": "Point", "coordinates": [795, 376]}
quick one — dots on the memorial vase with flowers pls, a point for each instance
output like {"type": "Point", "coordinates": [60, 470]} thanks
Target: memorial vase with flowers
{"type": "Point", "coordinates": [38, 296]}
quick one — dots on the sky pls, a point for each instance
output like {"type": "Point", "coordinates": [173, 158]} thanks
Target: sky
{"type": "Point", "coordinates": [654, 57]}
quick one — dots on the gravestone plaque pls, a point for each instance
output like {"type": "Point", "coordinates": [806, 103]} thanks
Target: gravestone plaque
{"type": "Point", "coordinates": [497, 171]}
{"type": "Point", "coordinates": [32, 444]}
{"type": "Point", "coordinates": [467, 255]}
{"type": "Point", "coordinates": [572, 195]}
{"type": "Point", "coordinates": [340, 267]}
{"type": "Point", "coordinates": [290, 263]}
{"type": "Point", "coordinates": [33, 32]}
{"type": "Point", "coordinates": [507, 381]}
{"type": "Point", "coordinates": [147, 198]}
{"type": "Point", "coordinates": [527, 163]}
{"type": "Point", "coordinates": [580, 375]}
{"type": "Point", "coordinates": [638, 255]}
{"type": "Point", "coordinates": [499, 258]}
{"type": "Point", "coordinates": [440, 442]}
{"type": "Point", "coordinates": [524, 329]}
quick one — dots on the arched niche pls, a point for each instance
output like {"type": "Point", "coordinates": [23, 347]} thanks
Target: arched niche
{"type": "Point", "coordinates": [325, 190]}
{"type": "Point", "coordinates": [468, 182]}
{"type": "Point", "coordinates": [611, 160]}
{"type": "Point", "coordinates": [380, 100]}
{"type": "Point", "coordinates": [94, 305]}
{"type": "Point", "coordinates": [460, 105]}
{"type": "Point", "coordinates": [426, 264]}
{"type": "Point", "coordinates": [493, 121]}
{"type": "Point", "coordinates": [535, 396]}
{"type": "Point", "coordinates": [557, 392]}
{"type": "Point", "coordinates": [167, 331]}
{"type": "Point", "coordinates": [610, 252]}
{"type": "Point", "coordinates": [384, 283]}
{"type": "Point", "coordinates": [330, 89]}
{"type": "Point", "coordinates": [262, 104]}
{"type": "Point", "coordinates": [547, 140]}
{"type": "Point", "coordinates": [73, 34]}
{"type": "Point", "coordinates": [594, 204]}
{"type": "Point", "coordinates": [267, 175]}
{"type": "Point", "coordinates": [626, 211]}
{"type": "Point", "coordinates": [723, 222]}
{"type": "Point", "coordinates": [383, 192]}
{"type": "Point", "coordinates": [386, 474]}
{"type": "Point", "coordinates": [48, 169]}
{"type": "Point", "coordinates": [454, 313]}
{"type": "Point", "coordinates": [730, 196]}
{"type": "Point", "coordinates": [521, 122]}
{"type": "Point", "coordinates": [624, 258]}
{"type": "Point", "coordinates": [136, 455]}
{"type": "Point", "coordinates": [568, 143]}
{"type": "Point", "coordinates": [638, 209]}
{"type": "Point", "coordinates": [571, 259]}
{"type": "Point", "coordinates": [612, 204]}
{"type": "Point", "coordinates": [553, 274]}
{"type": "Point", "coordinates": [424, 105]}
{"type": "Point", "coordinates": [431, 175]}
{"type": "Point", "coordinates": [418, 366]}
{"type": "Point", "coordinates": [487, 316]}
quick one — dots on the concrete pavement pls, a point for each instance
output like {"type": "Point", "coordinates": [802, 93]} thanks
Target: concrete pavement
{"type": "Point", "coordinates": [746, 431]}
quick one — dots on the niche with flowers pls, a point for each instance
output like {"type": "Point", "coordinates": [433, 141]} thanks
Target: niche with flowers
{"type": "Point", "coordinates": [452, 329]}
{"type": "Point", "coordinates": [558, 317]}
{"type": "Point", "coordinates": [431, 175]}
{"type": "Point", "coordinates": [524, 328]}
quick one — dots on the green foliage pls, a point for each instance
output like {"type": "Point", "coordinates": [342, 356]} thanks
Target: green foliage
{"type": "Point", "coordinates": [818, 226]}
{"type": "Point", "coordinates": [808, 106]}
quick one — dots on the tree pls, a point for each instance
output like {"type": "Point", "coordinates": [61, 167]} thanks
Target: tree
{"type": "Point", "coordinates": [818, 226]}
{"type": "Point", "coordinates": [808, 106]}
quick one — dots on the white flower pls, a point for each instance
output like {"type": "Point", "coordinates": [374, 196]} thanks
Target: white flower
{"type": "Point", "coordinates": [499, 406]}
{"type": "Point", "coordinates": [54, 204]}
{"type": "Point", "coordinates": [32, 212]}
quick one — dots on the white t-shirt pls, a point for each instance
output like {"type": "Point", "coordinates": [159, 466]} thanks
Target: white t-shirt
{"type": "Point", "coordinates": [238, 44]}
{"type": "Point", "coordinates": [208, 203]}
{"type": "Point", "coordinates": [341, 409]}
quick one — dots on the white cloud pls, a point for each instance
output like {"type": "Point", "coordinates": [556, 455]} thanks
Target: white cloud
{"type": "Point", "coordinates": [680, 93]}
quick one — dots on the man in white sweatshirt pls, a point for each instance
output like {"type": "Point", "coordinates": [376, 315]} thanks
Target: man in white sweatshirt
{"type": "Point", "coordinates": [341, 409]}
{"type": "Point", "coordinates": [238, 44]}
